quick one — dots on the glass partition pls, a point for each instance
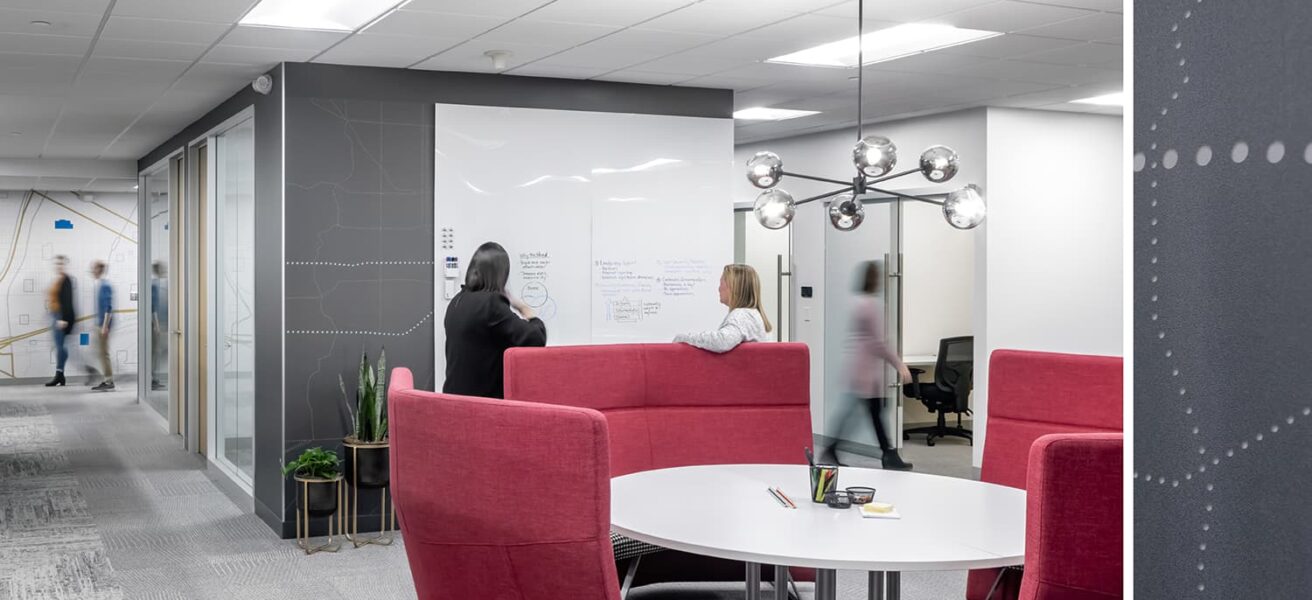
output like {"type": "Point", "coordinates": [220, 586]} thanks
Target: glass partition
{"type": "Point", "coordinates": [233, 287]}
{"type": "Point", "coordinates": [158, 340]}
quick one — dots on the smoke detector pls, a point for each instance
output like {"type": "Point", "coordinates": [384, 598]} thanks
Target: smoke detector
{"type": "Point", "coordinates": [499, 58]}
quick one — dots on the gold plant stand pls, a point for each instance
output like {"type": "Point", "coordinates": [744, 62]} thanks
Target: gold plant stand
{"type": "Point", "coordinates": [385, 535]}
{"type": "Point", "coordinates": [303, 515]}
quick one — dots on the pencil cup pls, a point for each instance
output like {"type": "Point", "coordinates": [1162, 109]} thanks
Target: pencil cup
{"type": "Point", "coordinates": [824, 479]}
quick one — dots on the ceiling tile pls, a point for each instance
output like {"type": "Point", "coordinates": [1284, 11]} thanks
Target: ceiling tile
{"type": "Point", "coordinates": [607, 12]}
{"type": "Point", "coordinates": [413, 48]}
{"type": "Point", "coordinates": [262, 57]}
{"type": "Point", "coordinates": [792, 6]}
{"type": "Point", "coordinates": [162, 30]}
{"type": "Point", "coordinates": [1099, 27]}
{"type": "Point", "coordinates": [1007, 46]}
{"type": "Point", "coordinates": [412, 22]}
{"type": "Point", "coordinates": [592, 57]}
{"type": "Point", "coordinates": [469, 56]}
{"type": "Point", "coordinates": [1009, 15]}
{"type": "Point", "coordinates": [719, 19]}
{"type": "Point", "coordinates": [691, 65]}
{"type": "Point", "coordinates": [1114, 6]}
{"type": "Point", "coordinates": [212, 78]}
{"type": "Point", "coordinates": [149, 50]}
{"type": "Point", "coordinates": [547, 33]}
{"type": "Point", "coordinates": [44, 44]}
{"type": "Point", "coordinates": [651, 41]}
{"type": "Point", "coordinates": [927, 62]}
{"type": "Point", "coordinates": [649, 77]}
{"type": "Point", "coordinates": [726, 81]}
{"type": "Point", "coordinates": [213, 11]}
{"type": "Point", "coordinates": [562, 72]}
{"type": "Point", "coordinates": [11, 182]}
{"type": "Point", "coordinates": [61, 23]}
{"type": "Point", "coordinates": [500, 8]}
{"type": "Point", "coordinates": [295, 39]}
{"type": "Point", "coordinates": [1083, 55]}
{"type": "Point", "coordinates": [95, 7]}
{"type": "Point", "coordinates": [902, 12]}
{"type": "Point", "coordinates": [807, 31]}
{"type": "Point", "coordinates": [1039, 72]}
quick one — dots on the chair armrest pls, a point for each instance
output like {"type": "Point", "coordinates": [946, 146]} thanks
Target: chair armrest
{"type": "Point", "coordinates": [1074, 516]}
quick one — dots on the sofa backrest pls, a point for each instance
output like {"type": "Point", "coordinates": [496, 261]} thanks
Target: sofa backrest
{"type": "Point", "coordinates": [1032, 394]}
{"type": "Point", "coordinates": [672, 405]}
{"type": "Point", "coordinates": [500, 499]}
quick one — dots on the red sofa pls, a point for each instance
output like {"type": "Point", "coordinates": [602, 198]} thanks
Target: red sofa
{"type": "Point", "coordinates": [1054, 429]}
{"type": "Point", "coordinates": [672, 405]}
{"type": "Point", "coordinates": [500, 500]}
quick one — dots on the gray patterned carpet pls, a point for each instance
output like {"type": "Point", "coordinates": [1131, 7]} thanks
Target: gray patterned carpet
{"type": "Point", "coordinates": [98, 502]}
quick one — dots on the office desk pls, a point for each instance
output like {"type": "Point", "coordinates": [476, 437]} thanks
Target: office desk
{"type": "Point", "coordinates": [726, 512]}
{"type": "Point", "coordinates": [920, 360]}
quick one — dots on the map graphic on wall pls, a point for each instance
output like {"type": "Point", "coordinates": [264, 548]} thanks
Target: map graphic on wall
{"type": "Point", "coordinates": [106, 230]}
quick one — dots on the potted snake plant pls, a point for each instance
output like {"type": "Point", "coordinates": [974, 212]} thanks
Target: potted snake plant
{"type": "Point", "coordinates": [367, 446]}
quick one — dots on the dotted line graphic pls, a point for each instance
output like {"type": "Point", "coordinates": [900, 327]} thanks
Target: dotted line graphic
{"type": "Point", "coordinates": [361, 332]}
{"type": "Point", "coordinates": [367, 263]}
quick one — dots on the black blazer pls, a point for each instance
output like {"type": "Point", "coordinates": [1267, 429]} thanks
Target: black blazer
{"type": "Point", "coordinates": [65, 295]}
{"type": "Point", "coordinates": [479, 328]}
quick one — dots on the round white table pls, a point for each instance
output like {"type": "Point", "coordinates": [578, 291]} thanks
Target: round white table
{"type": "Point", "coordinates": [726, 511]}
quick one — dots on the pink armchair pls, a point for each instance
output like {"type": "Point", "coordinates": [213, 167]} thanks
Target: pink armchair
{"type": "Point", "coordinates": [501, 500]}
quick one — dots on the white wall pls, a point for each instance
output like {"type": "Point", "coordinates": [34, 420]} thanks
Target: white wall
{"type": "Point", "coordinates": [104, 228]}
{"type": "Point", "coordinates": [939, 278]}
{"type": "Point", "coordinates": [1049, 257]}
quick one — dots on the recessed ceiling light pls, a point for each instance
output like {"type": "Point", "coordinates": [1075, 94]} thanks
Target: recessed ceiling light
{"type": "Point", "coordinates": [760, 113]}
{"type": "Point", "coordinates": [40, 23]}
{"type": "Point", "coordinates": [886, 44]}
{"type": "Point", "coordinates": [323, 15]}
{"type": "Point", "coordinates": [1112, 99]}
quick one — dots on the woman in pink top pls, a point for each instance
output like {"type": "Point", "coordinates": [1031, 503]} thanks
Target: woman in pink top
{"type": "Point", "coordinates": [869, 350]}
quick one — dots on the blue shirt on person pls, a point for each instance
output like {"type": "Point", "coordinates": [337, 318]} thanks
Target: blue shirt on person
{"type": "Point", "coordinates": [104, 301]}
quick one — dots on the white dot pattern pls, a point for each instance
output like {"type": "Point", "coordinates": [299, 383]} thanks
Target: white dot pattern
{"type": "Point", "coordinates": [361, 331]}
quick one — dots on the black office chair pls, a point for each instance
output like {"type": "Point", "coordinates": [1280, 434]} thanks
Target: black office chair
{"type": "Point", "coordinates": [950, 392]}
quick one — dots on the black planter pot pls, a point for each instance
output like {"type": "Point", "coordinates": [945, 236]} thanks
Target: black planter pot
{"type": "Point", "coordinates": [320, 495]}
{"type": "Point", "coordinates": [367, 465]}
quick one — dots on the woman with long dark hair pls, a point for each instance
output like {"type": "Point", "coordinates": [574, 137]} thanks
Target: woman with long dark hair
{"type": "Point", "coordinates": [62, 317]}
{"type": "Point", "coordinates": [482, 321]}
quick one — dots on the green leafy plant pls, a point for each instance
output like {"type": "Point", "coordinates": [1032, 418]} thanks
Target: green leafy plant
{"type": "Point", "coordinates": [314, 463]}
{"type": "Point", "coordinates": [369, 419]}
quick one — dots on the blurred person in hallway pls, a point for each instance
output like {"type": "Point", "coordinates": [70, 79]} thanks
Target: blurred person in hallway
{"type": "Point", "coordinates": [104, 313]}
{"type": "Point", "coordinates": [159, 325]}
{"type": "Point", "coordinates": [868, 353]}
{"type": "Point", "coordinates": [62, 316]}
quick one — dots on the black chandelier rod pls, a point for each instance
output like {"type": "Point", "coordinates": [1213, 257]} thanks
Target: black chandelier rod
{"type": "Point", "coordinates": [904, 195]}
{"type": "Point", "coordinates": [894, 176]}
{"type": "Point", "coordinates": [813, 178]}
{"type": "Point", "coordinates": [823, 196]}
{"type": "Point", "coordinates": [860, 67]}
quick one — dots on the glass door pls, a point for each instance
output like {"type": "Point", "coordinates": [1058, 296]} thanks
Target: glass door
{"type": "Point", "coordinates": [231, 284]}
{"type": "Point", "coordinates": [862, 279]}
{"type": "Point", "coordinates": [157, 348]}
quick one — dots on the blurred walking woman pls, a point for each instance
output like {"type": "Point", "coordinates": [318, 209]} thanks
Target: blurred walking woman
{"type": "Point", "coordinates": [482, 321]}
{"type": "Point", "coordinates": [62, 317]}
{"type": "Point", "coordinates": [870, 352]}
{"type": "Point", "coordinates": [740, 290]}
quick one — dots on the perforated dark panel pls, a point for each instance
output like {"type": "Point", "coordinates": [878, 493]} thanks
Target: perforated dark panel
{"type": "Point", "coordinates": [1223, 276]}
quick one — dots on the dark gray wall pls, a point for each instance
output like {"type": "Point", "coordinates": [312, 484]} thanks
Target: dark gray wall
{"type": "Point", "coordinates": [359, 230]}
{"type": "Point", "coordinates": [1223, 270]}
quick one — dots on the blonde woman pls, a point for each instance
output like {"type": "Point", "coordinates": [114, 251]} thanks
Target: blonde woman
{"type": "Point", "coordinates": [740, 290]}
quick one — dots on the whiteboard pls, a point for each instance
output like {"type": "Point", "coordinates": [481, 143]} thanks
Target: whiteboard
{"type": "Point", "coordinates": [617, 224]}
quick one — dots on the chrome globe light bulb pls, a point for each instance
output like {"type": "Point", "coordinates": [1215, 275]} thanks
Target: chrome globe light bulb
{"type": "Point", "coordinates": [774, 209]}
{"type": "Point", "coordinates": [874, 156]}
{"type": "Point", "coordinates": [938, 163]}
{"type": "Point", "coordinates": [846, 213]}
{"type": "Point", "coordinates": [964, 208]}
{"type": "Point", "coordinates": [765, 169]}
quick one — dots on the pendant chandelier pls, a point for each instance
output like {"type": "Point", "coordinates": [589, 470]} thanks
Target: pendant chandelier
{"type": "Point", "coordinates": [874, 157]}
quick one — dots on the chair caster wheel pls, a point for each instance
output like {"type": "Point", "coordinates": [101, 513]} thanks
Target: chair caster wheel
{"type": "Point", "coordinates": [929, 442]}
{"type": "Point", "coordinates": [906, 437]}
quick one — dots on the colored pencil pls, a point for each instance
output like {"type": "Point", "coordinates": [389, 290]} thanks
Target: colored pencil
{"type": "Point", "coordinates": [780, 491]}
{"type": "Point", "coordinates": [776, 497]}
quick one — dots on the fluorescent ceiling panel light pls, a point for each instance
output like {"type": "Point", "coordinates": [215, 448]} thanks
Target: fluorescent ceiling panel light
{"type": "Point", "coordinates": [760, 113]}
{"type": "Point", "coordinates": [322, 15]}
{"type": "Point", "coordinates": [1113, 99]}
{"type": "Point", "coordinates": [886, 44]}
